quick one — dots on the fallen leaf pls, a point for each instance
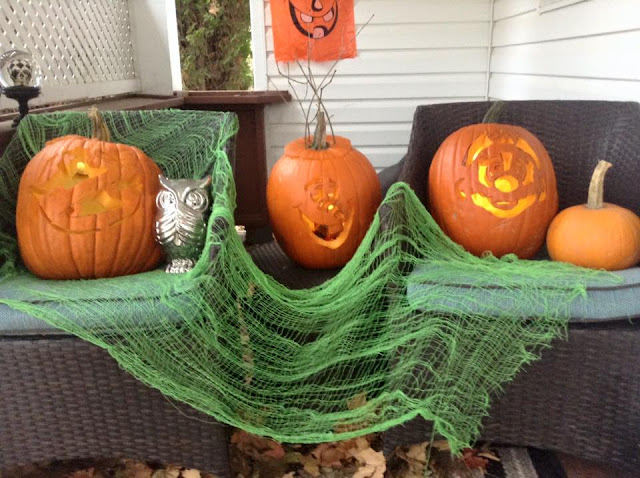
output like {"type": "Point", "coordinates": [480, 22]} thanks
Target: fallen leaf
{"type": "Point", "coordinates": [310, 465]}
{"type": "Point", "coordinates": [134, 469]}
{"type": "Point", "coordinates": [418, 452]}
{"type": "Point", "coordinates": [362, 443]}
{"type": "Point", "coordinates": [190, 474]}
{"type": "Point", "coordinates": [489, 455]}
{"type": "Point", "coordinates": [471, 459]}
{"type": "Point", "coordinates": [373, 464]}
{"type": "Point", "coordinates": [171, 471]}
{"type": "Point", "coordinates": [257, 447]}
{"type": "Point", "coordinates": [441, 445]}
{"type": "Point", "coordinates": [88, 473]}
{"type": "Point", "coordinates": [329, 455]}
{"type": "Point", "coordinates": [358, 401]}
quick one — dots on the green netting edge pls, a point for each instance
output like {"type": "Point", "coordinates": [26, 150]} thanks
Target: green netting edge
{"type": "Point", "coordinates": [349, 357]}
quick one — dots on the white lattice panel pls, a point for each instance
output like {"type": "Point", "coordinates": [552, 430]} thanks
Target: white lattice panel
{"type": "Point", "coordinates": [84, 47]}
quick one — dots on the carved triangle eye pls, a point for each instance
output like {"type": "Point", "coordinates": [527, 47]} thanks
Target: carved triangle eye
{"type": "Point", "coordinates": [69, 174]}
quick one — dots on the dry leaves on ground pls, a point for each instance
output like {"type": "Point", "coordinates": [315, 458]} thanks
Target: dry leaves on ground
{"type": "Point", "coordinates": [105, 468]}
{"type": "Point", "coordinates": [253, 456]}
{"type": "Point", "coordinates": [411, 462]}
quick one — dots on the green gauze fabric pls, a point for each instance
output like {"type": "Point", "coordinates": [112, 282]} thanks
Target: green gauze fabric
{"type": "Point", "coordinates": [349, 357]}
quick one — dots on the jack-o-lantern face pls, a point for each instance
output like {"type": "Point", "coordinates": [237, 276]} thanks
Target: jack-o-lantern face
{"type": "Point", "coordinates": [318, 30]}
{"type": "Point", "coordinates": [86, 209]}
{"type": "Point", "coordinates": [508, 178]}
{"type": "Point", "coordinates": [492, 188]}
{"type": "Point", "coordinates": [118, 199]}
{"type": "Point", "coordinates": [327, 217]}
{"type": "Point", "coordinates": [321, 203]}
{"type": "Point", "coordinates": [314, 18]}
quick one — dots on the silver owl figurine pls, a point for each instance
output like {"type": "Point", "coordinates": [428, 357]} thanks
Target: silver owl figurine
{"type": "Point", "coordinates": [181, 221]}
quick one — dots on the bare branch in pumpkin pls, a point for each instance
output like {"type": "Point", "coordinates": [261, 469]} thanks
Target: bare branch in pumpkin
{"type": "Point", "coordinates": [316, 88]}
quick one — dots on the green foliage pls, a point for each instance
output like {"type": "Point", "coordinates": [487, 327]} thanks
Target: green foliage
{"type": "Point", "coordinates": [215, 44]}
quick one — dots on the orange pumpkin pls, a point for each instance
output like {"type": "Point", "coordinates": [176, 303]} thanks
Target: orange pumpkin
{"type": "Point", "coordinates": [321, 201]}
{"type": "Point", "coordinates": [492, 188]}
{"type": "Point", "coordinates": [86, 208]}
{"type": "Point", "coordinates": [598, 235]}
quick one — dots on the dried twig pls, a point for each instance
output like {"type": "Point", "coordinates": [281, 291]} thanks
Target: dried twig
{"type": "Point", "coordinates": [317, 89]}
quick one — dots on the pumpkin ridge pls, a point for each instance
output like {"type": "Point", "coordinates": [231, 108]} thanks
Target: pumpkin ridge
{"type": "Point", "coordinates": [64, 149]}
{"type": "Point", "coordinates": [70, 240]}
{"type": "Point", "coordinates": [110, 272]}
{"type": "Point", "coordinates": [38, 231]}
{"type": "Point", "coordinates": [151, 248]}
{"type": "Point", "coordinates": [358, 196]}
{"type": "Point", "coordinates": [133, 250]}
{"type": "Point", "coordinates": [98, 234]}
{"type": "Point", "coordinates": [141, 251]}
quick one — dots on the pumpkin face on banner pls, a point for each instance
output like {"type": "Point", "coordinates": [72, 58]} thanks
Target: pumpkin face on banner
{"type": "Point", "coordinates": [314, 18]}
{"type": "Point", "coordinates": [320, 30]}
{"type": "Point", "coordinates": [492, 188]}
{"type": "Point", "coordinates": [86, 209]}
{"type": "Point", "coordinates": [321, 202]}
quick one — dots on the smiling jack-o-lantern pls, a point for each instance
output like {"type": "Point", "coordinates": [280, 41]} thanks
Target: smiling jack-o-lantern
{"type": "Point", "coordinates": [314, 18]}
{"type": "Point", "coordinates": [320, 30]}
{"type": "Point", "coordinates": [321, 202]}
{"type": "Point", "coordinates": [86, 209]}
{"type": "Point", "coordinates": [492, 188]}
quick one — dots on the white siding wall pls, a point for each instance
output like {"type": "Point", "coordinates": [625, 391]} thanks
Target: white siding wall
{"type": "Point", "coordinates": [413, 52]}
{"type": "Point", "coordinates": [589, 50]}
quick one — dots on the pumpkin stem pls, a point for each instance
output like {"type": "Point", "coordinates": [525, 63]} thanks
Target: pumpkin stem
{"type": "Point", "coordinates": [98, 126]}
{"type": "Point", "coordinates": [320, 134]}
{"type": "Point", "coordinates": [596, 187]}
{"type": "Point", "coordinates": [492, 114]}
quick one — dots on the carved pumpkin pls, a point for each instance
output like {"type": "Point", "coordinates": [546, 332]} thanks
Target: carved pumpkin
{"type": "Point", "coordinates": [598, 235]}
{"type": "Point", "coordinates": [492, 188]}
{"type": "Point", "coordinates": [322, 201]}
{"type": "Point", "coordinates": [86, 208]}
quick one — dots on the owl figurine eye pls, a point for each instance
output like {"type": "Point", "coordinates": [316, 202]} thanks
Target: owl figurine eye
{"type": "Point", "coordinates": [197, 200]}
{"type": "Point", "coordinates": [166, 200]}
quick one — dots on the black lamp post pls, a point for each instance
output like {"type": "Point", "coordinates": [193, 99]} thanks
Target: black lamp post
{"type": "Point", "coordinates": [20, 78]}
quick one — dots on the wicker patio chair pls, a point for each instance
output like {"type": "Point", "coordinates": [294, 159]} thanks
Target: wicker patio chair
{"type": "Point", "coordinates": [63, 398]}
{"type": "Point", "coordinates": [583, 396]}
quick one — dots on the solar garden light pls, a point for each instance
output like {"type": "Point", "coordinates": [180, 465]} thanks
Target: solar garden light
{"type": "Point", "coordinates": [20, 79]}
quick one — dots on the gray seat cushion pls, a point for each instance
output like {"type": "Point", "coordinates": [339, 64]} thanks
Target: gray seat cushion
{"type": "Point", "coordinates": [130, 309]}
{"type": "Point", "coordinates": [616, 301]}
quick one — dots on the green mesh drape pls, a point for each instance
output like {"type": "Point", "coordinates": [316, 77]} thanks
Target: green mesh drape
{"type": "Point", "coordinates": [355, 355]}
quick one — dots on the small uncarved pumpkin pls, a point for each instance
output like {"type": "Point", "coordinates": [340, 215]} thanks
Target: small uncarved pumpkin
{"type": "Point", "coordinates": [492, 188]}
{"type": "Point", "coordinates": [597, 235]}
{"type": "Point", "coordinates": [321, 200]}
{"type": "Point", "coordinates": [86, 208]}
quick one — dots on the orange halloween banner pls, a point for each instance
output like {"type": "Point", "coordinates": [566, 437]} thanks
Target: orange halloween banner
{"type": "Point", "coordinates": [321, 30]}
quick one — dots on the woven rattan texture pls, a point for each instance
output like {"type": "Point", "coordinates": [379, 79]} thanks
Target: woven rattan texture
{"type": "Point", "coordinates": [577, 134]}
{"type": "Point", "coordinates": [65, 399]}
{"type": "Point", "coordinates": [270, 258]}
{"type": "Point", "coordinates": [581, 399]}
